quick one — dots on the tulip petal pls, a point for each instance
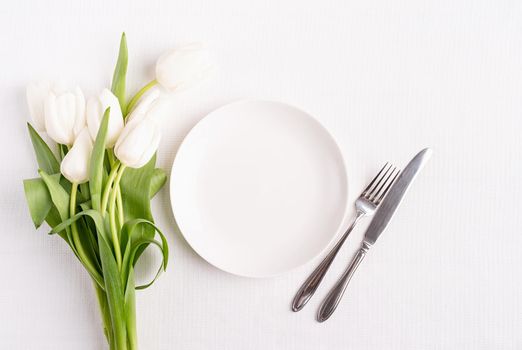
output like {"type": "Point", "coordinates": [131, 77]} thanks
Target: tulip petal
{"type": "Point", "coordinates": [179, 68]}
{"type": "Point", "coordinates": [150, 150]}
{"type": "Point", "coordinates": [64, 114]}
{"type": "Point", "coordinates": [137, 141]}
{"type": "Point", "coordinates": [66, 109]}
{"type": "Point", "coordinates": [146, 103]}
{"type": "Point", "coordinates": [95, 109]}
{"type": "Point", "coordinates": [80, 120]}
{"type": "Point", "coordinates": [92, 111]}
{"type": "Point", "coordinates": [36, 94]}
{"type": "Point", "coordinates": [53, 124]}
{"type": "Point", "coordinates": [75, 164]}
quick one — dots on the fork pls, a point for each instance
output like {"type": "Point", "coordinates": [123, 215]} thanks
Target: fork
{"type": "Point", "coordinates": [365, 205]}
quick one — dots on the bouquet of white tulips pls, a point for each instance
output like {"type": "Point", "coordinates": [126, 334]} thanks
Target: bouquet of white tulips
{"type": "Point", "coordinates": [95, 187]}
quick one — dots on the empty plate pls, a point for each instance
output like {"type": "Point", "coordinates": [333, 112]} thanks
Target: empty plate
{"type": "Point", "coordinates": [258, 188]}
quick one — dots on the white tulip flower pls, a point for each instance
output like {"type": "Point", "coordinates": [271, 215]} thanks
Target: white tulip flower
{"type": "Point", "coordinates": [138, 142]}
{"type": "Point", "coordinates": [145, 107]}
{"type": "Point", "coordinates": [36, 93]}
{"type": "Point", "coordinates": [96, 107]}
{"type": "Point", "coordinates": [75, 164]}
{"type": "Point", "coordinates": [179, 68]}
{"type": "Point", "coordinates": [64, 115]}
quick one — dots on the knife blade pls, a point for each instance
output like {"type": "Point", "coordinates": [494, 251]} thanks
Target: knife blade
{"type": "Point", "coordinates": [392, 200]}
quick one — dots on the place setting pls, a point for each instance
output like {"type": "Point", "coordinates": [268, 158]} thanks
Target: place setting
{"type": "Point", "coordinates": [258, 188]}
{"type": "Point", "coordinates": [257, 179]}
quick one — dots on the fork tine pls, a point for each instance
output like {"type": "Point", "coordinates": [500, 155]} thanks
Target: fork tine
{"type": "Point", "coordinates": [374, 191]}
{"type": "Point", "coordinates": [389, 185]}
{"type": "Point", "coordinates": [365, 192]}
{"type": "Point", "coordinates": [377, 192]}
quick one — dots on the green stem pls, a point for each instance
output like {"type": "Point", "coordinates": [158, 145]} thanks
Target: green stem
{"type": "Point", "coordinates": [112, 158]}
{"type": "Point", "coordinates": [112, 216]}
{"type": "Point", "coordinates": [119, 206]}
{"type": "Point", "coordinates": [107, 190]}
{"type": "Point", "coordinates": [138, 95]}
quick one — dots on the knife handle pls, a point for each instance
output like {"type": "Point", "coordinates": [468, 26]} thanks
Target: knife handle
{"type": "Point", "coordinates": [309, 286]}
{"type": "Point", "coordinates": [335, 295]}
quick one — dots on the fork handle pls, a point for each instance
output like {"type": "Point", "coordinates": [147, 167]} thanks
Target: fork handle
{"type": "Point", "coordinates": [312, 282]}
{"type": "Point", "coordinates": [335, 295]}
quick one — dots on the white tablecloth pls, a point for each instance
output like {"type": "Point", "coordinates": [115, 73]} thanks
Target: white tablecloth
{"type": "Point", "coordinates": [387, 78]}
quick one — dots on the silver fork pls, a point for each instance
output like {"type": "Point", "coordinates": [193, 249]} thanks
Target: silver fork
{"type": "Point", "coordinates": [365, 205]}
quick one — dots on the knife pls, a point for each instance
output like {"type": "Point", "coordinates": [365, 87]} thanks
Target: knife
{"type": "Point", "coordinates": [379, 223]}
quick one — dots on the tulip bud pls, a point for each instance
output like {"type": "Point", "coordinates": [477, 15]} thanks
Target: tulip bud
{"type": "Point", "coordinates": [145, 106]}
{"type": "Point", "coordinates": [64, 115]}
{"type": "Point", "coordinates": [179, 68]}
{"type": "Point", "coordinates": [75, 164]}
{"type": "Point", "coordinates": [138, 142]}
{"type": "Point", "coordinates": [36, 94]}
{"type": "Point", "coordinates": [96, 107]}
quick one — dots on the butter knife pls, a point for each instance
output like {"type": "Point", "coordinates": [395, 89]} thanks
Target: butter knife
{"type": "Point", "coordinates": [377, 226]}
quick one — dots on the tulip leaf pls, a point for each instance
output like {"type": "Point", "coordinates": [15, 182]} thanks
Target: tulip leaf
{"type": "Point", "coordinates": [58, 194]}
{"type": "Point", "coordinates": [106, 317]}
{"type": "Point", "coordinates": [53, 219]}
{"type": "Point", "coordinates": [130, 310]}
{"type": "Point", "coordinates": [96, 170]}
{"type": "Point", "coordinates": [133, 241]}
{"type": "Point", "coordinates": [112, 283]}
{"type": "Point", "coordinates": [60, 199]}
{"type": "Point", "coordinates": [114, 290]}
{"type": "Point", "coordinates": [159, 177]}
{"type": "Point", "coordinates": [93, 214]}
{"type": "Point", "coordinates": [135, 189]}
{"type": "Point", "coordinates": [38, 200]}
{"type": "Point", "coordinates": [90, 244]}
{"type": "Point", "coordinates": [145, 242]}
{"type": "Point", "coordinates": [44, 156]}
{"type": "Point", "coordinates": [111, 276]}
{"type": "Point", "coordinates": [62, 150]}
{"type": "Point", "coordinates": [120, 72]}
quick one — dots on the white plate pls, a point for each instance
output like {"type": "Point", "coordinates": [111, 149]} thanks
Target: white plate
{"type": "Point", "coordinates": [258, 188]}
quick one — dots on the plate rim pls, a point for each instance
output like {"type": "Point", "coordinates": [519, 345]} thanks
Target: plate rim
{"type": "Point", "coordinates": [342, 163]}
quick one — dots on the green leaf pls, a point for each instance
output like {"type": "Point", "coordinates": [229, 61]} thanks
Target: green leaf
{"type": "Point", "coordinates": [93, 214]}
{"type": "Point", "coordinates": [62, 150]}
{"type": "Point", "coordinates": [96, 170]}
{"type": "Point", "coordinates": [60, 199]}
{"type": "Point", "coordinates": [106, 316]}
{"type": "Point", "coordinates": [99, 229]}
{"type": "Point", "coordinates": [145, 242]}
{"type": "Point", "coordinates": [114, 290]}
{"type": "Point", "coordinates": [44, 156]}
{"type": "Point", "coordinates": [159, 177]}
{"type": "Point", "coordinates": [53, 219]}
{"type": "Point", "coordinates": [133, 241]}
{"type": "Point", "coordinates": [85, 192]}
{"type": "Point", "coordinates": [111, 276]}
{"type": "Point", "coordinates": [59, 195]}
{"type": "Point", "coordinates": [135, 189]}
{"type": "Point", "coordinates": [88, 240]}
{"type": "Point", "coordinates": [120, 72]}
{"type": "Point", "coordinates": [130, 310]}
{"type": "Point", "coordinates": [38, 200]}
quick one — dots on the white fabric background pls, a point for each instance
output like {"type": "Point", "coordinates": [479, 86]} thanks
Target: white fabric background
{"type": "Point", "coordinates": [386, 78]}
